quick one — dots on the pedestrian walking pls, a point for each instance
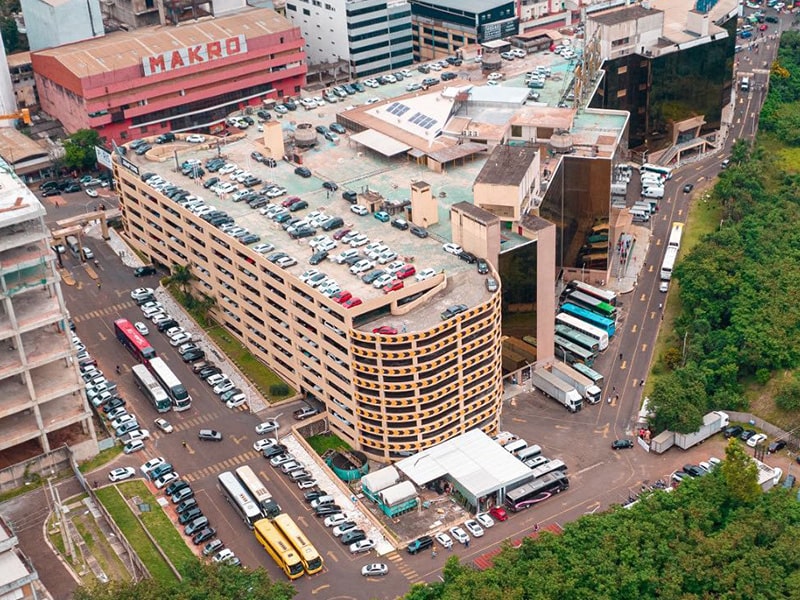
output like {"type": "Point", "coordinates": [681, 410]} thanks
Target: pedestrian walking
{"type": "Point", "coordinates": [536, 528]}
{"type": "Point", "coordinates": [117, 369]}
{"type": "Point", "coordinates": [660, 306]}
{"type": "Point", "coordinates": [98, 284]}
{"type": "Point", "coordinates": [620, 355]}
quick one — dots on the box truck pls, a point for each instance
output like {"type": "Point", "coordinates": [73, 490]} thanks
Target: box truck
{"type": "Point", "coordinates": [590, 392]}
{"type": "Point", "coordinates": [713, 422]}
{"type": "Point", "coordinates": [558, 390]}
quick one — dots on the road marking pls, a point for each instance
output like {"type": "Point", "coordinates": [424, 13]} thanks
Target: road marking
{"type": "Point", "coordinates": [604, 430]}
{"type": "Point", "coordinates": [101, 336]}
{"type": "Point", "coordinates": [333, 556]}
{"type": "Point", "coordinates": [590, 467]}
{"type": "Point", "coordinates": [623, 365]}
{"type": "Point", "coordinates": [189, 449]}
{"type": "Point", "coordinates": [592, 508]}
{"type": "Point", "coordinates": [238, 440]}
{"type": "Point", "coordinates": [643, 298]}
{"type": "Point", "coordinates": [518, 420]}
{"type": "Point", "coordinates": [658, 241]}
{"type": "Point", "coordinates": [513, 402]}
{"type": "Point", "coordinates": [644, 347]}
{"type": "Point", "coordinates": [680, 212]}
{"type": "Point", "coordinates": [650, 268]}
{"type": "Point", "coordinates": [320, 588]}
{"type": "Point", "coordinates": [652, 314]}
{"type": "Point", "coordinates": [566, 427]}
{"type": "Point", "coordinates": [634, 328]}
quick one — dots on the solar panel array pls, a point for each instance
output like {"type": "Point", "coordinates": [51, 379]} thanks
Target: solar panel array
{"type": "Point", "coordinates": [398, 108]}
{"type": "Point", "coordinates": [423, 121]}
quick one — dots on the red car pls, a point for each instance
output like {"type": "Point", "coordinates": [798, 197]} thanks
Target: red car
{"type": "Point", "coordinates": [352, 302]}
{"type": "Point", "coordinates": [340, 234]}
{"type": "Point", "coordinates": [499, 513]}
{"type": "Point", "coordinates": [762, 27]}
{"type": "Point", "coordinates": [341, 297]}
{"type": "Point", "coordinates": [392, 286]}
{"type": "Point", "coordinates": [385, 330]}
{"type": "Point", "coordinates": [289, 201]}
{"type": "Point", "coordinates": [406, 271]}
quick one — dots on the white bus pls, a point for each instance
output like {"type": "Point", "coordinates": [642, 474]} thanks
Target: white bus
{"type": "Point", "coordinates": [237, 497]}
{"type": "Point", "coordinates": [549, 467]}
{"type": "Point", "coordinates": [664, 172]}
{"type": "Point", "coordinates": [604, 295]}
{"type": "Point", "coordinates": [670, 255]}
{"type": "Point", "coordinates": [675, 235]}
{"type": "Point", "coordinates": [258, 491]}
{"type": "Point", "coordinates": [586, 329]}
{"type": "Point", "coordinates": [155, 393]}
{"type": "Point", "coordinates": [181, 400]}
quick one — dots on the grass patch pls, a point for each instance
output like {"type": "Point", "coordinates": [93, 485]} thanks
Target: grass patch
{"type": "Point", "coordinates": [160, 526]}
{"type": "Point", "coordinates": [55, 537]}
{"type": "Point", "coordinates": [134, 532]}
{"type": "Point", "coordinates": [322, 443]}
{"type": "Point", "coordinates": [104, 457]}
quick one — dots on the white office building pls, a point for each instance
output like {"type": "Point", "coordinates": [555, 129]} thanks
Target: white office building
{"type": "Point", "coordinates": [373, 36]}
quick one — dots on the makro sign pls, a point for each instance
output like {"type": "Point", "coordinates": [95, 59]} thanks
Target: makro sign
{"type": "Point", "coordinates": [193, 55]}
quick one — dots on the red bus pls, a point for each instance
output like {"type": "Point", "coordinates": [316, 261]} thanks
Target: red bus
{"type": "Point", "coordinates": [133, 340]}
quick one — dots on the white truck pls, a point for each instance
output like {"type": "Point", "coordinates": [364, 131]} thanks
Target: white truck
{"type": "Point", "coordinates": [558, 390]}
{"type": "Point", "coordinates": [590, 392]}
{"type": "Point", "coordinates": [713, 422]}
{"type": "Point", "coordinates": [619, 189]}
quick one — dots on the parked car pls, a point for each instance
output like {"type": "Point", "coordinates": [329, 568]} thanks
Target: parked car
{"type": "Point", "coordinates": [374, 570]}
{"type": "Point", "coordinates": [419, 544]}
{"type": "Point", "coordinates": [211, 435]}
{"type": "Point", "coordinates": [621, 444]}
{"type": "Point", "coordinates": [121, 474]}
{"type": "Point", "coordinates": [305, 413]}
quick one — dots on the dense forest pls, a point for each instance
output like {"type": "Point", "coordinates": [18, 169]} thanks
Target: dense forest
{"type": "Point", "coordinates": [717, 537]}
{"type": "Point", "coordinates": [739, 319]}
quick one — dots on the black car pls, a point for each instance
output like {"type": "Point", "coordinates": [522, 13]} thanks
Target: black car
{"type": "Point", "coordinates": [207, 372]}
{"type": "Point", "coordinates": [298, 206]}
{"type": "Point", "coordinates": [327, 509]}
{"type": "Point", "coordinates": [273, 451]}
{"type": "Point", "coordinates": [318, 257]}
{"type": "Point", "coordinates": [321, 129]}
{"type": "Point", "coordinates": [72, 188]}
{"type": "Point", "coordinates": [303, 172]}
{"type": "Point", "coordinates": [262, 114]}
{"type": "Point", "coordinates": [330, 185]}
{"type": "Point", "coordinates": [50, 192]}
{"type": "Point", "coordinates": [251, 182]}
{"type": "Point", "coordinates": [688, 188]}
{"type": "Point", "coordinates": [370, 277]}
{"type": "Point", "coordinates": [483, 266]}
{"type": "Point", "coordinates": [420, 232]}
{"type": "Point", "coordinates": [452, 311]}
{"type": "Point", "coordinates": [420, 544]}
{"type": "Point", "coordinates": [733, 431]}
{"type": "Point", "coordinates": [53, 185]}
{"type": "Point", "coordinates": [353, 536]}
{"type": "Point", "coordinates": [168, 324]}
{"type": "Point", "coordinates": [165, 137]}
{"type": "Point", "coordinates": [115, 402]}
{"type": "Point", "coordinates": [447, 76]}
{"type": "Point", "coordinates": [187, 504]}
{"type": "Point", "coordinates": [258, 202]}
{"type": "Point", "coordinates": [400, 223]}
{"type": "Point", "coordinates": [694, 470]}
{"type": "Point", "coordinates": [199, 366]}
{"type": "Point", "coordinates": [337, 128]}
{"type": "Point", "coordinates": [467, 257]}
{"type": "Point", "coordinates": [143, 271]}
{"type": "Point", "coordinates": [190, 515]}
{"type": "Point", "coordinates": [205, 534]}
{"type": "Point", "coordinates": [175, 487]}
{"type": "Point", "coordinates": [350, 196]}
{"type": "Point", "coordinates": [193, 355]}
{"type": "Point", "coordinates": [621, 444]}
{"type": "Point", "coordinates": [746, 434]}
{"type": "Point", "coordinates": [209, 182]}
{"type": "Point", "coordinates": [776, 446]}
{"type": "Point", "coordinates": [290, 104]}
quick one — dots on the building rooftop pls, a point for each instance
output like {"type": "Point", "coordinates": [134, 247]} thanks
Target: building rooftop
{"type": "Point", "coordinates": [465, 6]}
{"type": "Point", "coordinates": [12, 569]}
{"type": "Point", "coordinates": [124, 49]}
{"type": "Point", "coordinates": [17, 202]}
{"type": "Point", "coordinates": [473, 459]}
{"type": "Point", "coordinates": [19, 59]}
{"type": "Point", "coordinates": [616, 16]}
{"type": "Point", "coordinates": [507, 165]}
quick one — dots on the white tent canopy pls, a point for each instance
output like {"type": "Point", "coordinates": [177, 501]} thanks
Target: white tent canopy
{"type": "Point", "coordinates": [380, 142]}
{"type": "Point", "coordinates": [396, 494]}
{"type": "Point", "coordinates": [381, 479]}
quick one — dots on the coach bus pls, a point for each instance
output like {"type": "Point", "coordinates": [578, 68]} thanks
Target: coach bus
{"type": "Point", "coordinates": [576, 337]}
{"type": "Point", "coordinates": [537, 491]}
{"type": "Point", "coordinates": [134, 341]}
{"type": "Point", "coordinates": [181, 400]}
{"type": "Point", "coordinates": [278, 548]}
{"type": "Point", "coordinates": [668, 264]}
{"type": "Point", "coordinates": [675, 235]}
{"type": "Point", "coordinates": [606, 296]}
{"type": "Point", "coordinates": [593, 332]}
{"type": "Point", "coordinates": [311, 559]}
{"type": "Point", "coordinates": [596, 377]}
{"type": "Point", "coordinates": [663, 172]}
{"type": "Point", "coordinates": [604, 309]}
{"type": "Point", "coordinates": [608, 325]}
{"type": "Point", "coordinates": [149, 386]}
{"type": "Point", "coordinates": [237, 497]}
{"type": "Point", "coordinates": [572, 353]}
{"type": "Point", "coordinates": [251, 482]}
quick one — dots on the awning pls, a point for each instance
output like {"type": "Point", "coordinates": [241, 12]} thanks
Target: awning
{"type": "Point", "coordinates": [375, 140]}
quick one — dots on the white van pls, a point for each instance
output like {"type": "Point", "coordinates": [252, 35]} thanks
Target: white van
{"type": "Point", "coordinates": [653, 192]}
{"type": "Point", "coordinates": [529, 452]}
{"type": "Point", "coordinates": [640, 216]}
{"type": "Point", "coordinates": [516, 446]}
{"type": "Point", "coordinates": [652, 179]}
{"type": "Point", "coordinates": [645, 206]}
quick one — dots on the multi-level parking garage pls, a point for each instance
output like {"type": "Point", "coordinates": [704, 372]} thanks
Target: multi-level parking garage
{"type": "Point", "coordinates": [387, 394]}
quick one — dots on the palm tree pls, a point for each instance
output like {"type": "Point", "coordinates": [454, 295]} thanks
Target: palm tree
{"type": "Point", "coordinates": [181, 276]}
{"type": "Point", "coordinates": [205, 305]}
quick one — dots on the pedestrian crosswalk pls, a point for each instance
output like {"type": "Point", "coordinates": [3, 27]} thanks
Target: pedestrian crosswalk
{"type": "Point", "coordinates": [224, 465]}
{"type": "Point", "coordinates": [108, 311]}
{"type": "Point", "coordinates": [401, 565]}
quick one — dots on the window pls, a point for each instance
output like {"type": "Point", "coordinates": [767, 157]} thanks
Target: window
{"type": "Point", "coordinates": [306, 12]}
{"type": "Point", "coordinates": [622, 69]}
{"type": "Point", "coordinates": [622, 93]}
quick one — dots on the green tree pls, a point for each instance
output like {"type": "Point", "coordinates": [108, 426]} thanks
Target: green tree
{"type": "Point", "coordinates": [788, 394]}
{"type": "Point", "coordinates": [10, 33]}
{"type": "Point", "coordinates": [182, 276]}
{"type": "Point", "coordinates": [202, 582]}
{"type": "Point", "coordinates": [79, 149]}
{"type": "Point", "coordinates": [740, 474]}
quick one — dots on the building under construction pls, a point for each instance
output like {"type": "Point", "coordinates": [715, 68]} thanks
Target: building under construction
{"type": "Point", "coordinates": [42, 403]}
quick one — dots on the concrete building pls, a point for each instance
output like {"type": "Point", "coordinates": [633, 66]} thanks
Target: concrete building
{"type": "Point", "coordinates": [388, 394]}
{"type": "Point", "coordinates": [18, 578]}
{"type": "Point", "coordinates": [373, 36]}
{"type": "Point", "coordinates": [42, 403]}
{"type": "Point", "coordinates": [129, 84]}
{"type": "Point", "coordinates": [440, 27]}
{"type": "Point", "coordinates": [669, 65]}
{"type": "Point", "coordinates": [22, 80]}
{"type": "Point", "coordinates": [51, 23]}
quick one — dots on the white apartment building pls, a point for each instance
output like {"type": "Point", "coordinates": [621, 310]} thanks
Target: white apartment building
{"type": "Point", "coordinates": [373, 36]}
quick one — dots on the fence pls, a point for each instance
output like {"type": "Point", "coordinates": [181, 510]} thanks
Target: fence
{"type": "Point", "coordinates": [35, 469]}
{"type": "Point", "coordinates": [792, 441]}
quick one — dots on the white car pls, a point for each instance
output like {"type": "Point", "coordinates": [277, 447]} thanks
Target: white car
{"type": "Point", "coordinates": [195, 138]}
{"type": "Point", "coordinates": [425, 274]}
{"type": "Point", "coordinates": [359, 209]}
{"type": "Point", "coordinates": [151, 464]}
{"type": "Point", "coordinates": [459, 535]}
{"type": "Point", "coordinates": [236, 401]}
{"type": "Point", "coordinates": [362, 546]}
{"type": "Point", "coordinates": [473, 527]}
{"type": "Point", "coordinates": [374, 250]}
{"type": "Point", "coordinates": [495, 76]}
{"type": "Point", "coordinates": [387, 256]}
{"type": "Point", "coordinates": [264, 248]}
{"type": "Point", "coordinates": [228, 168]}
{"type": "Point", "coordinates": [223, 386]}
{"type": "Point", "coordinates": [326, 245]}
{"type": "Point", "coordinates": [335, 519]}
{"type": "Point", "coordinates": [224, 554]}
{"type": "Point", "coordinates": [160, 317]}
{"type": "Point", "coordinates": [141, 293]}
{"type": "Point", "coordinates": [383, 280]}
{"type": "Point", "coordinates": [164, 425]}
{"type": "Point", "coordinates": [485, 520]}
{"type": "Point", "coordinates": [394, 267]}
{"type": "Point", "coordinates": [267, 426]}
{"type": "Point", "coordinates": [359, 240]}
{"type": "Point", "coordinates": [286, 262]}
{"type": "Point", "coordinates": [133, 446]}
{"type": "Point", "coordinates": [141, 328]}
{"type": "Point", "coordinates": [756, 439]}
{"type": "Point", "coordinates": [118, 422]}
{"type": "Point", "coordinates": [452, 248]}
{"type": "Point", "coordinates": [374, 570]}
{"type": "Point", "coordinates": [362, 266]}
{"type": "Point", "coordinates": [139, 434]}
{"type": "Point", "coordinates": [215, 379]}
{"type": "Point", "coordinates": [152, 309]}
{"type": "Point", "coordinates": [305, 484]}
{"type": "Point", "coordinates": [445, 540]}
{"type": "Point", "coordinates": [165, 480]}
{"type": "Point", "coordinates": [345, 254]}
{"type": "Point", "coordinates": [173, 331]}
{"type": "Point", "coordinates": [121, 474]}
{"type": "Point", "coordinates": [263, 444]}
{"type": "Point", "coordinates": [180, 338]}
